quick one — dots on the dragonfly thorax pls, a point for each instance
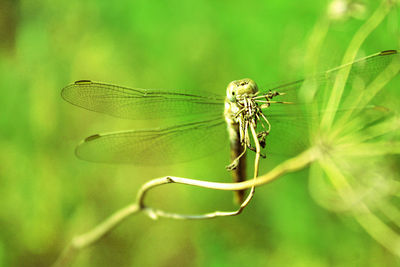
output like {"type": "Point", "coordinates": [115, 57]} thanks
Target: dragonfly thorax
{"type": "Point", "coordinates": [242, 109]}
{"type": "Point", "coordinates": [239, 89]}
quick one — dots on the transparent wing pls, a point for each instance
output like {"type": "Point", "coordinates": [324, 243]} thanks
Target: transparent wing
{"type": "Point", "coordinates": [194, 140]}
{"type": "Point", "coordinates": [362, 72]}
{"type": "Point", "coordinates": [290, 121]}
{"type": "Point", "coordinates": [140, 104]}
{"type": "Point", "coordinates": [156, 147]}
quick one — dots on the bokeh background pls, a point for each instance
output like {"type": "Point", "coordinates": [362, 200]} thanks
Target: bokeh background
{"type": "Point", "coordinates": [47, 195]}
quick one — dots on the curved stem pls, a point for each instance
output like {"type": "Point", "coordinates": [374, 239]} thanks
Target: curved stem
{"type": "Point", "coordinates": [293, 164]}
{"type": "Point", "coordinates": [95, 234]}
{"type": "Point", "coordinates": [99, 231]}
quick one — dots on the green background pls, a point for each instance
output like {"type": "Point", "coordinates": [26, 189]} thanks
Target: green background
{"type": "Point", "coordinates": [47, 196]}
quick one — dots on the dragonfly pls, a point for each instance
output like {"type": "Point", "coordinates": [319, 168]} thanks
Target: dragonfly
{"type": "Point", "coordinates": [203, 123]}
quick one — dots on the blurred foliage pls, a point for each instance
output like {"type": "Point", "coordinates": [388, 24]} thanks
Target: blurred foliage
{"type": "Point", "coordinates": [48, 196]}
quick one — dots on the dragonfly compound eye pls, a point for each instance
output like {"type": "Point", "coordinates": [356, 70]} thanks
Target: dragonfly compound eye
{"type": "Point", "coordinates": [231, 91]}
{"type": "Point", "coordinates": [231, 94]}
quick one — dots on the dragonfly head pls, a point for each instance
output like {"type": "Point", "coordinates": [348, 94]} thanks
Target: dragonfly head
{"type": "Point", "coordinates": [240, 88]}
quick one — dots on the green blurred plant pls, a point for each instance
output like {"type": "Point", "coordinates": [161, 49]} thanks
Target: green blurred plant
{"type": "Point", "coordinates": [345, 148]}
{"type": "Point", "coordinates": [354, 173]}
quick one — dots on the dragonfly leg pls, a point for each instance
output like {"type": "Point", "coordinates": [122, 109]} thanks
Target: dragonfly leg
{"type": "Point", "coordinates": [261, 138]}
{"type": "Point", "coordinates": [266, 120]}
{"type": "Point", "coordinates": [263, 135]}
{"type": "Point", "coordinates": [235, 162]}
{"type": "Point", "coordinates": [245, 139]}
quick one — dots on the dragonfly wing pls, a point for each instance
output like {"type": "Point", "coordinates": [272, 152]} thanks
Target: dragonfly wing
{"type": "Point", "coordinates": [290, 125]}
{"type": "Point", "coordinates": [156, 147]}
{"type": "Point", "coordinates": [291, 121]}
{"type": "Point", "coordinates": [140, 104]}
{"type": "Point", "coordinates": [362, 71]}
